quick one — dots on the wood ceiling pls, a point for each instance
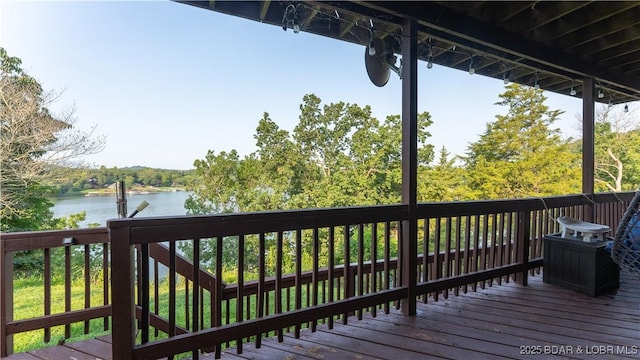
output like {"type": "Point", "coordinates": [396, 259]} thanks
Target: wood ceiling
{"type": "Point", "coordinates": [553, 43]}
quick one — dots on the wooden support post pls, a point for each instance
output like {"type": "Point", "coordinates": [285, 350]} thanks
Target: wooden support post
{"type": "Point", "coordinates": [122, 286]}
{"type": "Point", "coordinates": [6, 300]}
{"type": "Point", "coordinates": [522, 246]}
{"type": "Point", "coordinates": [588, 144]}
{"type": "Point", "coordinates": [409, 162]}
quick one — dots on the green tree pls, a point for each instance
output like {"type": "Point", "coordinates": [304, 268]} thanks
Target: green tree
{"type": "Point", "coordinates": [32, 139]}
{"type": "Point", "coordinates": [337, 155]}
{"type": "Point", "coordinates": [617, 150]}
{"type": "Point", "coordinates": [521, 154]}
{"type": "Point", "coordinates": [444, 181]}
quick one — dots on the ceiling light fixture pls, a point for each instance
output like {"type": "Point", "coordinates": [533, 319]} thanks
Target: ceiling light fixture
{"type": "Point", "coordinates": [472, 70]}
{"type": "Point", "coordinates": [600, 94]}
{"type": "Point", "coordinates": [536, 85]}
{"type": "Point", "coordinates": [291, 18]}
{"type": "Point", "coordinates": [429, 58]}
{"type": "Point", "coordinates": [573, 92]}
{"type": "Point", "coordinates": [626, 108]}
{"type": "Point", "coordinates": [371, 46]}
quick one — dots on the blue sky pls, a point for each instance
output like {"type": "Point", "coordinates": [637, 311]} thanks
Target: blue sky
{"type": "Point", "coordinates": [165, 82]}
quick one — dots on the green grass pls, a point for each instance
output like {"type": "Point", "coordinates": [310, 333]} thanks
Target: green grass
{"type": "Point", "coordinates": [28, 302]}
{"type": "Point", "coordinates": [29, 295]}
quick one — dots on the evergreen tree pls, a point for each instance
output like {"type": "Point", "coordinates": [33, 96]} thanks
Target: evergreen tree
{"type": "Point", "coordinates": [444, 181]}
{"type": "Point", "coordinates": [520, 154]}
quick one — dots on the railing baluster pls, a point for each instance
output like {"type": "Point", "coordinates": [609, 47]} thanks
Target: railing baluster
{"type": "Point", "coordinates": [374, 262]}
{"type": "Point", "coordinates": [261, 276]}
{"type": "Point", "coordinates": [500, 226]}
{"type": "Point", "coordinates": [156, 294]}
{"type": "Point", "coordinates": [493, 247]}
{"type": "Point", "coordinates": [330, 270]}
{"type": "Point", "coordinates": [138, 281]}
{"type": "Point", "coordinates": [508, 247]}
{"type": "Point", "coordinates": [279, 246]}
{"type": "Point", "coordinates": [219, 294]}
{"type": "Point", "coordinates": [314, 275]}
{"type": "Point", "coordinates": [466, 261]}
{"type": "Point", "coordinates": [298, 291]}
{"type": "Point", "coordinates": [437, 274]}
{"type": "Point", "coordinates": [348, 283]}
{"type": "Point", "coordinates": [87, 284]}
{"type": "Point", "coordinates": [196, 286]}
{"type": "Point", "coordinates": [399, 268]}
{"type": "Point", "coordinates": [240, 290]}
{"type": "Point", "coordinates": [387, 256]}
{"type": "Point", "coordinates": [47, 291]}
{"type": "Point", "coordinates": [144, 291]}
{"type": "Point", "coordinates": [447, 252]}
{"type": "Point", "coordinates": [485, 245]}
{"type": "Point", "coordinates": [67, 288]}
{"type": "Point", "coordinates": [476, 247]}
{"type": "Point", "coordinates": [202, 302]}
{"type": "Point", "coordinates": [424, 275]}
{"type": "Point", "coordinates": [187, 316]}
{"type": "Point", "coordinates": [6, 299]}
{"type": "Point", "coordinates": [539, 235]}
{"type": "Point", "coordinates": [456, 259]}
{"type": "Point", "coordinates": [360, 265]}
{"type": "Point", "coordinates": [172, 289]}
{"type": "Point", "coordinates": [105, 282]}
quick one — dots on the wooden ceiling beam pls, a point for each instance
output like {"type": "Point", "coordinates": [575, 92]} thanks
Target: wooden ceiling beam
{"type": "Point", "coordinates": [541, 14]}
{"type": "Point", "coordinates": [264, 9]}
{"type": "Point", "coordinates": [345, 28]}
{"type": "Point", "coordinates": [598, 31]}
{"type": "Point", "coordinates": [598, 11]}
{"type": "Point", "coordinates": [307, 20]}
{"type": "Point", "coordinates": [515, 9]}
{"type": "Point", "coordinates": [491, 11]}
{"type": "Point", "coordinates": [610, 43]}
{"type": "Point", "coordinates": [620, 61]}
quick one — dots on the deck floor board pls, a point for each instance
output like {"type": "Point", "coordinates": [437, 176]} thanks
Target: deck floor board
{"type": "Point", "coordinates": [499, 321]}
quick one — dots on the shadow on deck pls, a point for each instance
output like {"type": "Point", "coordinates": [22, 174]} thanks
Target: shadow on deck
{"type": "Point", "coordinates": [502, 321]}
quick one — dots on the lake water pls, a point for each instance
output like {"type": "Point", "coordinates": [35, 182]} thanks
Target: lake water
{"type": "Point", "coordinates": [101, 208]}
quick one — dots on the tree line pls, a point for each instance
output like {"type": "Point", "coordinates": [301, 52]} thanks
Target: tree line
{"type": "Point", "coordinates": [340, 155]}
{"type": "Point", "coordinates": [70, 181]}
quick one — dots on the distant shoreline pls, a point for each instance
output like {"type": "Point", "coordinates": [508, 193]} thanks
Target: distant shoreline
{"type": "Point", "coordinates": [134, 191]}
{"type": "Point", "coordinates": [137, 190]}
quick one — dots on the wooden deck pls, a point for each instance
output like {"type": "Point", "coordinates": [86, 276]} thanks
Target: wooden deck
{"type": "Point", "coordinates": [505, 321]}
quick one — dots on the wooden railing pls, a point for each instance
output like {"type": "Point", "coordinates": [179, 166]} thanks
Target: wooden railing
{"type": "Point", "coordinates": [56, 249]}
{"type": "Point", "coordinates": [345, 262]}
{"type": "Point", "coordinates": [80, 261]}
